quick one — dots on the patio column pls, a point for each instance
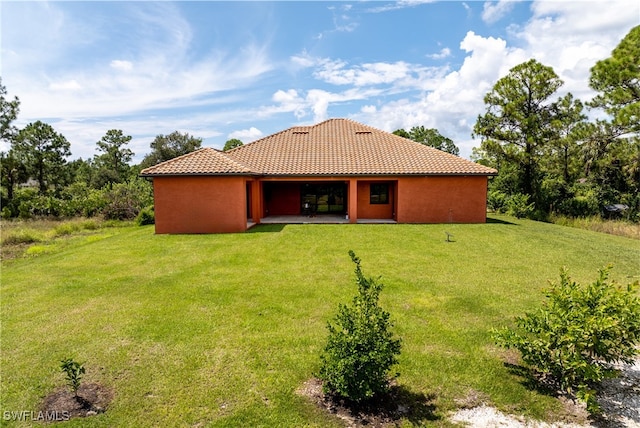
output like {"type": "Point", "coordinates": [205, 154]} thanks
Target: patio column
{"type": "Point", "coordinates": [352, 208]}
{"type": "Point", "coordinates": [256, 200]}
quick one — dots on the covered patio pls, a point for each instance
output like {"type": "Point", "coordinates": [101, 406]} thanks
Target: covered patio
{"type": "Point", "coordinates": [317, 219]}
{"type": "Point", "coordinates": [321, 200]}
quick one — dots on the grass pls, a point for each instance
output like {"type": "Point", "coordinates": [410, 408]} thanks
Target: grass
{"type": "Point", "coordinates": [17, 235]}
{"type": "Point", "coordinates": [597, 224]}
{"type": "Point", "coordinates": [220, 330]}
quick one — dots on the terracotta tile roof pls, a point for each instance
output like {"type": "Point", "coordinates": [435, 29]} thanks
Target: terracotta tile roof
{"type": "Point", "coordinates": [337, 147]}
{"type": "Point", "coordinates": [205, 161]}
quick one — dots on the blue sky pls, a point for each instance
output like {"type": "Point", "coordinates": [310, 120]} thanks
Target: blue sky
{"type": "Point", "coordinates": [221, 70]}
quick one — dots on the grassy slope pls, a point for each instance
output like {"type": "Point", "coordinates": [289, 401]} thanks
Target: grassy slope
{"type": "Point", "coordinates": [221, 330]}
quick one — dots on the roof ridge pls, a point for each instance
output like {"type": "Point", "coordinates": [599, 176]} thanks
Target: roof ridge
{"type": "Point", "coordinates": [240, 148]}
{"type": "Point", "coordinates": [233, 160]}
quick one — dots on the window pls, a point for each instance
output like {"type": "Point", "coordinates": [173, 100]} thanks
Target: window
{"type": "Point", "coordinates": [379, 193]}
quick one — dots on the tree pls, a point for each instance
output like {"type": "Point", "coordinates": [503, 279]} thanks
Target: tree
{"type": "Point", "coordinates": [126, 200]}
{"type": "Point", "coordinates": [113, 163]}
{"type": "Point", "coordinates": [611, 148]}
{"type": "Point", "coordinates": [617, 79]}
{"type": "Point", "coordinates": [8, 113]}
{"type": "Point", "coordinates": [519, 122]}
{"type": "Point", "coordinates": [43, 152]}
{"type": "Point", "coordinates": [429, 137]}
{"type": "Point", "coordinates": [560, 164]}
{"type": "Point", "coordinates": [232, 144]}
{"type": "Point", "coordinates": [562, 150]}
{"type": "Point", "coordinates": [165, 147]}
{"type": "Point", "coordinates": [81, 171]}
{"type": "Point", "coordinates": [13, 172]}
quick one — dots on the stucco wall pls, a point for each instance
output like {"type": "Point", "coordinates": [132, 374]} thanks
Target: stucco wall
{"type": "Point", "coordinates": [282, 198]}
{"type": "Point", "coordinates": [200, 204]}
{"type": "Point", "coordinates": [367, 210]}
{"type": "Point", "coordinates": [442, 199]}
{"type": "Point", "coordinates": [219, 204]}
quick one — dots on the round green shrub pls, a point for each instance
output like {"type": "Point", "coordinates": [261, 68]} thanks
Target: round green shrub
{"type": "Point", "coordinates": [580, 331]}
{"type": "Point", "coordinates": [146, 216]}
{"type": "Point", "coordinates": [361, 349]}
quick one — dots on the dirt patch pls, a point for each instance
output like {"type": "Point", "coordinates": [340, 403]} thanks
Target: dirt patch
{"type": "Point", "coordinates": [618, 398]}
{"type": "Point", "coordinates": [489, 417]}
{"type": "Point", "coordinates": [384, 411]}
{"type": "Point", "coordinates": [472, 399]}
{"type": "Point", "coordinates": [92, 399]}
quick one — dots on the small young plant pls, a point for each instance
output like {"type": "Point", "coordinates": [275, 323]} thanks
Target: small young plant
{"type": "Point", "coordinates": [361, 348]}
{"type": "Point", "coordinates": [573, 340]}
{"type": "Point", "coordinates": [74, 372]}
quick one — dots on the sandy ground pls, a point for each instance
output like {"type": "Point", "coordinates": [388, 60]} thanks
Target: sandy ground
{"type": "Point", "coordinates": [619, 399]}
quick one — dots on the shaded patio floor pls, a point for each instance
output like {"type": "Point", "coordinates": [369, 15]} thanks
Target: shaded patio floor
{"type": "Point", "coordinates": [317, 219]}
{"type": "Point", "coordinates": [303, 219]}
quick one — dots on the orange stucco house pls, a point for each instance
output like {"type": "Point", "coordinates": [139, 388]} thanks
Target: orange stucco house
{"type": "Point", "coordinates": [337, 168]}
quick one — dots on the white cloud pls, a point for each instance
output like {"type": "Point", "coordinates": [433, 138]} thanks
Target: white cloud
{"type": "Point", "coordinates": [165, 75]}
{"type": "Point", "coordinates": [342, 21]}
{"type": "Point", "coordinates": [247, 135]}
{"type": "Point", "coordinates": [121, 65]}
{"type": "Point", "coordinates": [584, 19]}
{"type": "Point", "coordinates": [290, 96]}
{"type": "Point", "coordinates": [303, 60]}
{"type": "Point", "coordinates": [319, 101]}
{"type": "Point", "coordinates": [315, 101]}
{"type": "Point", "coordinates": [399, 74]}
{"type": "Point", "coordinates": [143, 129]}
{"type": "Point", "coordinates": [69, 85]}
{"type": "Point", "coordinates": [456, 98]}
{"type": "Point", "coordinates": [400, 4]}
{"type": "Point", "coordinates": [572, 36]}
{"type": "Point", "coordinates": [444, 53]}
{"type": "Point", "coordinates": [493, 12]}
{"type": "Point", "coordinates": [287, 101]}
{"type": "Point", "coordinates": [336, 72]}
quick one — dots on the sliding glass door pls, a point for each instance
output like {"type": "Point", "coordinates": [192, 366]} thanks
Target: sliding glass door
{"type": "Point", "coordinates": [324, 198]}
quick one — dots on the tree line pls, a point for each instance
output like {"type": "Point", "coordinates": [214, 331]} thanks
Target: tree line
{"type": "Point", "coordinates": [37, 179]}
{"type": "Point", "coordinates": [551, 157]}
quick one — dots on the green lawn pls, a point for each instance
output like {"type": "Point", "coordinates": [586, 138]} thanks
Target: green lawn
{"type": "Point", "coordinates": [220, 330]}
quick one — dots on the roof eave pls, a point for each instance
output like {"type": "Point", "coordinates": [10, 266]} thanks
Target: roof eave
{"type": "Point", "coordinates": [380, 174]}
{"type": "Point", "coordinates": [200, 174]}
